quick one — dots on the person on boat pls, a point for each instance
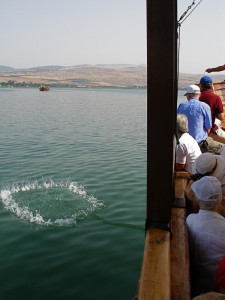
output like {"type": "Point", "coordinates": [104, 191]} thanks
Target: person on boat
{"type": "Point", "coordinates": [206, 232]}
{"type": "Point", "coordinates": [206, 164]}
{"type": "Point", "coordinates": [209, 164]}
{"type": "Point", "coordinates": [187, 149]}
{"type": "Point", "coordinates": [216, 69]}
{"type": "Point", "coordinates": [215, 104]}
{"type": "Point", "coordinates": [198, 114]}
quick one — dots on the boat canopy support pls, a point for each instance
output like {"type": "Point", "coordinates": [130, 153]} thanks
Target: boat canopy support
{"type": "Point", "coordinates": [161, 110]}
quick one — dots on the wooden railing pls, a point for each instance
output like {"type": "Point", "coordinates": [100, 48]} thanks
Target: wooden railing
{"type": "Point", "coordinates": [165, 270]}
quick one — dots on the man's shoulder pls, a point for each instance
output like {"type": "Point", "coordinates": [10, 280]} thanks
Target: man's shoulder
{"type": "Point", "coordinates": [204, 105]}
{"type": "Point", "coordinates": [191, 217]}
{"type": "Point", "coordinates": [183, 103]}
{"type": "Point", "coordinates": [182, 106]}
{"type": "Point", "coordinates": [186, 137]}
{"type": "Point", "coordinates": [208, 95]}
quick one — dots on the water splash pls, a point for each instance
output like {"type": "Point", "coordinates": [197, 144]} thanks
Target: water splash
{"type": "Point", "coordinates": [49, 203]}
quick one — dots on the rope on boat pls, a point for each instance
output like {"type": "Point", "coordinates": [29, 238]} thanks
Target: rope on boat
{"type": "Point", "coordinates": [184, 14]}
{"type": "Point", "coordinates": [116, 224]}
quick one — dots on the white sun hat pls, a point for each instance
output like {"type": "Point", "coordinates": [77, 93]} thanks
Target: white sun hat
{"type": "Point", "coordinates": [210, 164]}
{"type": "Point", "coordinates": [192, 89]}
{"type": "Point", "coordinates": [208, 188]}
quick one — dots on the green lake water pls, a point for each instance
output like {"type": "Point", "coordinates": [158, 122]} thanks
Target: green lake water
{"type": "Point", "coordinates": [72, 176]}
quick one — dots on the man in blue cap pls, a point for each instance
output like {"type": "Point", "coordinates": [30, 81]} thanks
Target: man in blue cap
{"type": "Point", "coordinates": [215, 104]}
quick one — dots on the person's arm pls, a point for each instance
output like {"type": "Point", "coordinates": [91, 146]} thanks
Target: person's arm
{"type": "Point", "coordinates": [220, 116]}
{"type": "Point", "coordinates": [216, 69]}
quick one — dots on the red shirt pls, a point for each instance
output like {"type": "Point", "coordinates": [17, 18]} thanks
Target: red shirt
{"type": "Point", "coordinates": [215, 104]}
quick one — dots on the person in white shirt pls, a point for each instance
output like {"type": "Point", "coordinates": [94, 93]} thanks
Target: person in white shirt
{"type": "Point", "coordinates": [187, 149]}
{"type": "Point", "coordinates": [206, 232]}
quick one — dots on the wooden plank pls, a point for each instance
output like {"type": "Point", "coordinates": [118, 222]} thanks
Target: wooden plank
{"type": "Point", "coordinates": [155, 273]}
{"type": "Point", "coordinates": [219, 89]}
{"type": "Point", "coordinates": [180, 185]}
{"type": "Point", "coordinates": [180, 269]}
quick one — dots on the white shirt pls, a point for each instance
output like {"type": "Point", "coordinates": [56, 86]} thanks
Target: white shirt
{"type": "Point", "coordinates": [206, 231]}
{"type": "Point", "coordinates": [187, 151]}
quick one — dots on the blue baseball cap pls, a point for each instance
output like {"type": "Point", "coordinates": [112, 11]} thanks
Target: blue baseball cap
{"type": "Point", "coordinates": [206, 80]}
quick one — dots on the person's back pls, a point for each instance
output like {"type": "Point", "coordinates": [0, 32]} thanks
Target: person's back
{"type": "Point", "coordinates": [187, 149]}
{"type": "Point", "coordinates": [213, 100]}
{"type": "Point", "coordinates": [206, 232]}
{"type": "Point", "coordinates": [198, 114]}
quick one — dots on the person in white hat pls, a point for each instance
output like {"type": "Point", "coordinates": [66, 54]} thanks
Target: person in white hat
{"type": "Point", "coordinates": [187, 149]}
{"type": "Point", "coordinates": [211, 165]}
{"type": "Point", "coordinates": [206, 232]}
{"type": "Point", "coordinates": [198, 114]}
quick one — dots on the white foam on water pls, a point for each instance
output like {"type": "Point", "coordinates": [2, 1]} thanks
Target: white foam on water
{"type": "Point", "coordinates": [24, 212]}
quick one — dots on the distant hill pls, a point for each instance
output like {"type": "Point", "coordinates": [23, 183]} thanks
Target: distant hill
{"type": "Point", "coordinates": [123, 75]}
{"type": "Point", "coordinates": [34, 69]}
{"type": "Point", "coordinates": [187, 79]}
{"type": "Point", "coordinates": [6, 69]}
{"type": "Point", "coordinates": [83, 66]}
{"type": "Point", "coordinates": [101, 75]}
{"type": "Point", "coordinates": [45, 68]}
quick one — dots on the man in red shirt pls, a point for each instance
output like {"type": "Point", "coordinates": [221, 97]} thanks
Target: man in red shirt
{"type": "Point", "coordinates": [215, 104]}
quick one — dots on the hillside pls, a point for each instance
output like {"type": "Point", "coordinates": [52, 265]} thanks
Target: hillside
{"type": "Point", "coordinates": [78, 76]}
{"type": "Point", "coordinates": [187, 79]}
{"type": "Point", "coordinates": [106, 75]}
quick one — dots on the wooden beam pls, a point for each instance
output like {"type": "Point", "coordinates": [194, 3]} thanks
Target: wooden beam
{"type": "Point", "coordinates": [180, 269]}
{"type": "Point", "coordinates": [161, 108]}
{"type": "Point", "coordinates": [155, 273]}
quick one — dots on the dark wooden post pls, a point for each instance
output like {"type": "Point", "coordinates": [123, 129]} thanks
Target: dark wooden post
{"type": "Point", "coordinates": [161, 109]}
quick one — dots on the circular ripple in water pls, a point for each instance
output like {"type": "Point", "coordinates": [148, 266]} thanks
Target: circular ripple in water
{"type": "Point", "coordinates": [50, 203]}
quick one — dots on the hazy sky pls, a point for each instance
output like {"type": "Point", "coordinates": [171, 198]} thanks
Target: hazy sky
{"type": "Point", "coordinates": [71, 32]}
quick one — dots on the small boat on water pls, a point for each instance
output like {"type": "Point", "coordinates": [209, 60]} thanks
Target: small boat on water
{"type": "Point", "coordinates": [43, 88]}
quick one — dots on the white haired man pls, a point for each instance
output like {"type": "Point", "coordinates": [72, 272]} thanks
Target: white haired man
{"type": "Point", "coordinates": [187, 149]}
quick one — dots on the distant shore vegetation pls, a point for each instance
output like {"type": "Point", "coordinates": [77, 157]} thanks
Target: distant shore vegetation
{"type": "Point", "coordinates": [11, 83]}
